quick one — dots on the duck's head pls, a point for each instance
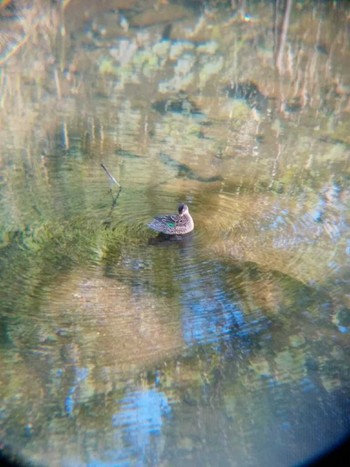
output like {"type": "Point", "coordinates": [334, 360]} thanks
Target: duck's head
{"type": "Point", "coordinates": [183, 209]}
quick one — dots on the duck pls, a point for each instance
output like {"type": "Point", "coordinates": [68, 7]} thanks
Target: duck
{"type": "Point", "coordinates": [174, 224]}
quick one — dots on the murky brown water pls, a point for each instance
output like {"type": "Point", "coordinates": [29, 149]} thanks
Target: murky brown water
{"type": "Point", "coordinates": [229, 346]}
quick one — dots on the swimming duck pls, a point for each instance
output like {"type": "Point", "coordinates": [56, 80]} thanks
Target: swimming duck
{"type": "Point", "coordinates": [174, 224]}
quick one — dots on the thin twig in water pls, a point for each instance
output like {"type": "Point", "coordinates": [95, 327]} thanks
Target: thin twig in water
{"type": "Point", "coordinates": [114, 198]}
{"type": "Point", "coordinates": [110, 176]}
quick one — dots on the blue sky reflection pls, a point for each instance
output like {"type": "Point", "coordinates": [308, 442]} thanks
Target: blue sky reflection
{"type": "Point", "coordinates": [139, 423]}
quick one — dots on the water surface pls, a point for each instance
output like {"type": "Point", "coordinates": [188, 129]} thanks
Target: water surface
{"type": "Point", "coordinates": [226, 347]}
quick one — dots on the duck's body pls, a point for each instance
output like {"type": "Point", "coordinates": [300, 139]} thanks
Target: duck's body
{"type": "Point", "coordinates": [174, 224]}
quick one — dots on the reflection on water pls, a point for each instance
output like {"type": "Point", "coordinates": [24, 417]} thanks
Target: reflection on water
{"type": "Point", "coordinates": [139, 424]}
{"type": "Point", "coordinates": [119, 347]}
{"type": "Point", "coordinates": [211, 312]}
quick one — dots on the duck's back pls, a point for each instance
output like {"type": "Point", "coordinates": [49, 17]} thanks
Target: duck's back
{"type": "Point", "coordinates": [172, 224]}
{"type": "Point", "coordinates": [164, 224]}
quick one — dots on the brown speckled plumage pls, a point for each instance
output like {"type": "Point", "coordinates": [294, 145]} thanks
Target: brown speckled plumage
{"type": "Point", "coordinates": [174, 224]}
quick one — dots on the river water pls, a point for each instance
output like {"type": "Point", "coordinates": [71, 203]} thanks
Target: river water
{"type": "Point", "coordinates": [229, 346]}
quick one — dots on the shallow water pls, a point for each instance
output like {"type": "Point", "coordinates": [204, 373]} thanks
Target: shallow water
{"type": "Point", "coordinates": [225, 347]}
